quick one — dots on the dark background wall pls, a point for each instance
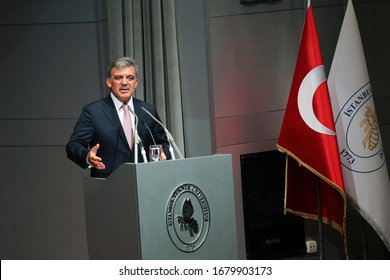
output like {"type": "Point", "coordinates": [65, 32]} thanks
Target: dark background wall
{"type": "Point", "coordinates": [236, 66]}
{"type": "Point", "coordinates": [51, 61]}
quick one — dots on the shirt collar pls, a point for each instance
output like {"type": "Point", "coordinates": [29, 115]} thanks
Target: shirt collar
{"type": "Point", "coordinates": [118, 103]}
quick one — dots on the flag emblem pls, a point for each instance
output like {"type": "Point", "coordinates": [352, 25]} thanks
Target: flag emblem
{"type": "Point", "coordinates": [370, 124]}
{"type": "Point", "coordinates": [306, 93]}
{"type": "Point", "coordinates": [359, 116]}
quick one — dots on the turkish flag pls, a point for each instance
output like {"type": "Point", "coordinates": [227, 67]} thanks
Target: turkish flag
{"type": "Point", "coordinates": [308, 138]}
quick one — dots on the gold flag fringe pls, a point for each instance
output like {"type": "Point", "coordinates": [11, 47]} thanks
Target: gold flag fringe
{"type": "Point", "coordinates": [340, 228]}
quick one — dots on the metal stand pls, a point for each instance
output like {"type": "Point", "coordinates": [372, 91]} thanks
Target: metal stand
{"type": "Point", "coordinates": [320, 225]}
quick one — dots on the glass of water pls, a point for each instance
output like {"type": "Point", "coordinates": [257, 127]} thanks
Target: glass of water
{"type": "Point", "coordinates": [154, 153]}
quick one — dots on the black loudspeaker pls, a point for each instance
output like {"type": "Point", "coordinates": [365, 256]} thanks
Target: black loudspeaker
{"type": "Point", "coordinates": [269, 233]}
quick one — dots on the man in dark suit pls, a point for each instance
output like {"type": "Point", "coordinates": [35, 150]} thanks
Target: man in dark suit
{"type": "Point", "coordinates": [99, 139]}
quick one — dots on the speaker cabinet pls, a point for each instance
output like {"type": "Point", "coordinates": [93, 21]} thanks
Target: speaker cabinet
{"type": "Point", "coordinates": [269, 233]}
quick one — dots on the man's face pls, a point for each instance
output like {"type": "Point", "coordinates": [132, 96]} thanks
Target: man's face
{"type": "Point", "coordinates": [123, 83]}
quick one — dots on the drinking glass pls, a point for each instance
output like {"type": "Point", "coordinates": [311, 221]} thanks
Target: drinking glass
{"type": "Point", "coordinates": [154, 153]}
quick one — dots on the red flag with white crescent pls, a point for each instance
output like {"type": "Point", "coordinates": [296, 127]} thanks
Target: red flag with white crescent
{"type": "Point", "coordinates": [308, 138]}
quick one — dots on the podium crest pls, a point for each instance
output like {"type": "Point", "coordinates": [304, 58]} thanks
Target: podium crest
{"type": "Point", "coordinates": [188, 217]}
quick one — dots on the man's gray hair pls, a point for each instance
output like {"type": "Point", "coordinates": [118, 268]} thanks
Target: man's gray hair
{"type": "Point", "coordinates": [121, 63]}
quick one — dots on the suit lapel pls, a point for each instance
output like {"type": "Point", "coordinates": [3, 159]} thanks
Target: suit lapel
{"type": "Point", "coordinates": [110, 112]}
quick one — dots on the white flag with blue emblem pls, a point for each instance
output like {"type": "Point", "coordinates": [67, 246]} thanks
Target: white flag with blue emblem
{"type": "Point", "coordinates": [362, 157]}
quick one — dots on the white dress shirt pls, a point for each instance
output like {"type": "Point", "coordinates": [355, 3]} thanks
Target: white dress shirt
{"type": "Point", "coordinates": [118, 106]}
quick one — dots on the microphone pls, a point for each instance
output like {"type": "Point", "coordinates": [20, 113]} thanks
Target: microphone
{"type": "Point", "coordinates": [170, 138]}
{"type": "Point", "coordinates": [137, 141]}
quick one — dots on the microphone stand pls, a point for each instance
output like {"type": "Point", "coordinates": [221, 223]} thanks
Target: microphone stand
{"type": "Point", "coordinates": [137, 141]}
{"type": "Point", "coordinates": [170, 138]}
{"type": "Point", "coordinates": [150, 132]}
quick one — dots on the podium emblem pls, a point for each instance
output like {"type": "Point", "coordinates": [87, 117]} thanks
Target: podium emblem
{"type": "Point", "coordinates": [188, 217]}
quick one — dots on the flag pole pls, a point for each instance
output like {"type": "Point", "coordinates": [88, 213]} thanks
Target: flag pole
{"type": "Point", "coordinates": [320, 226]}
{"type": "Point", "coordinates": [306, 4]}
{"type": "Point", "coordinates": [364, 239]}
{"type": "Point", "coordinates": [319, 208]}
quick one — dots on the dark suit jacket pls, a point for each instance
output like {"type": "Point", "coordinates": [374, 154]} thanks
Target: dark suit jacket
{"type": "Point", "coordinates": [99, 123]}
